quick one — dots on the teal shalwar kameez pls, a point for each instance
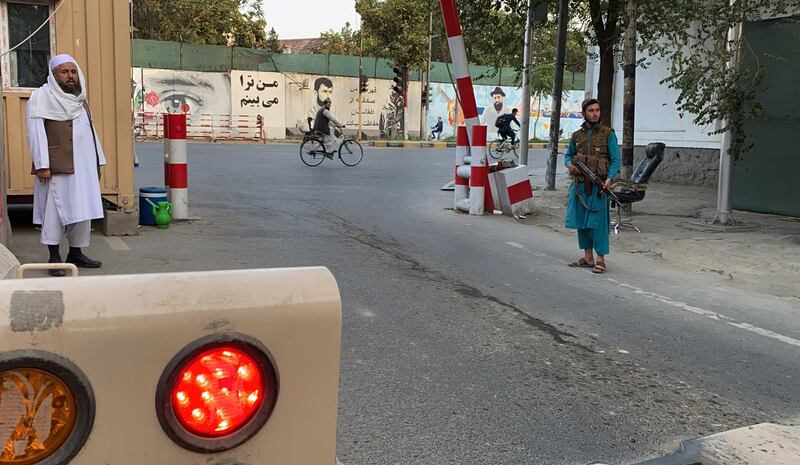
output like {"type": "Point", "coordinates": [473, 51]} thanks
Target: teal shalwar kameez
{"type": "Point", "coordinates": [592, 223]}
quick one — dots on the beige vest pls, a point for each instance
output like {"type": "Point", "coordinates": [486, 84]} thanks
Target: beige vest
{"type": "Point", "coordinates": [593, 151]}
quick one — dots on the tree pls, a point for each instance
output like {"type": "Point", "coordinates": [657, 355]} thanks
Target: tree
{"type": "Point", "coordinates": [344, 42]}
{"type": "Point", "coordinates": [398, 28]}
{"type": "Point", "coordinates": [692, 37]}
{"type": "Point", "coordinates": [204, 22]}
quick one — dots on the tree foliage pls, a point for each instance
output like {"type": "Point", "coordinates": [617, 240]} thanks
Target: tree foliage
{"type": "Point", "coordinates": [693, 39]}
{"type": "Point", "coordinates": [215, 22]}
{"type": "Point", "coordinates": [343, 42]}
{"type": "Point", "coordinates": [691, 36]}
{"type": "Point", "coordinates": [398, 29]}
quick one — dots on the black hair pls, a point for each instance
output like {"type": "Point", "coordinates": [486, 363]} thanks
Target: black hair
{"type": "Point", "coordinates": [587, 103]}
{"type": "Point", "coordinates": [514, 110]}
{"type": "Point", "coordinates": [323, 81]}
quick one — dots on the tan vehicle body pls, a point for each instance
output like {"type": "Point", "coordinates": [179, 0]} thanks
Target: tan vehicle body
{"type": "Point", "coordinates": [121, 331]}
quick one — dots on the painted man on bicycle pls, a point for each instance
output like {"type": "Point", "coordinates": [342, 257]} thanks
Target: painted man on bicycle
{"type": "Point", "coordinates": [322, 125]}
{"type": "Point", "coordinates": [503, 124]}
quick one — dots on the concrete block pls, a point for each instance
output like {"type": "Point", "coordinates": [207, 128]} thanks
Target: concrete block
{"type": "Point", "coordinates": [8, 263]}
{"type": "Point", "coordinates": [514, 191]}
{"type": "Point", "coordinates": [440, 145]}
{"type": "Point", "coordinates": [118, 223]}
{"type": "Point", "coordinates": [380, 143]}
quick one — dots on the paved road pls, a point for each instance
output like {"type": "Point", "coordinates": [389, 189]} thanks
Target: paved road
{"type": "Point", "coordinates": [466, 340]}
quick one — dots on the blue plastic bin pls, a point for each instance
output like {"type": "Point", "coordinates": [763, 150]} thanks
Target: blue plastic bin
{"type": "Point", "coordinates": [155, 195]}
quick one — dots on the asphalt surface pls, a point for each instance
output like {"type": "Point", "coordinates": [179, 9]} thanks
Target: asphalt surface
{"type": "Point", "coordinates": [467, 340]}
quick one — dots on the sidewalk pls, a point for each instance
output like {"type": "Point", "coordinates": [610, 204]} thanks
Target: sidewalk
{"type": "Point", "coordinates": [761, 253]}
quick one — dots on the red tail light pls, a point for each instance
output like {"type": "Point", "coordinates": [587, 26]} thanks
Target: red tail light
{"type": "Point", "coordinates": [216, 393]}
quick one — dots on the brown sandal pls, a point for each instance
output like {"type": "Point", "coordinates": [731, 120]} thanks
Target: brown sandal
{"type": "Point", "coordinates": [599, 268]}
{"type": "Point", "coordinates": [581, 263]}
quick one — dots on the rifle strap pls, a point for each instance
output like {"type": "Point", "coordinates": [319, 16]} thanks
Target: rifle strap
{"type": "Point", "coordinates": [585, 203]}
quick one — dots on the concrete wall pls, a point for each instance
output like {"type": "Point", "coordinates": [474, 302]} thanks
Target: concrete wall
{"type": "Point", "coordinates": [685, 165]}
{"type": "Point", "coordinates": [657, 117]}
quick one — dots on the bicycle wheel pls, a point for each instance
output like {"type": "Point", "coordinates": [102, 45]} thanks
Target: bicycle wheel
{"type": "Point", "coordinates": [514, 150]}
{"type": "Point", "coordinates": [493, 152]}
{"type": "Point", "coordinates": [312, 152]}
{"type": "Point", "coordinates": [350, 152]}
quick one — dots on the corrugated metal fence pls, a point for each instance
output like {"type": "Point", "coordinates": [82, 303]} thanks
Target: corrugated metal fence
{"type": "Point", "coordinates": [190, 57]}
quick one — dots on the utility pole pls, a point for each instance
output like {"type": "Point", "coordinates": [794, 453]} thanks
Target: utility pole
{"type": "Point", "coordinates": [724, 215]}
{"type": "Point", "coordinates": [629, 98]}
{"type": "Point", "coordinates": [360, 85]}
{"type": "Point", "coordinates": [558, 89]}
{"type": "Point", "coordinates": [426, 81]}
{"type": "Point", "coordinates": [526, 87]}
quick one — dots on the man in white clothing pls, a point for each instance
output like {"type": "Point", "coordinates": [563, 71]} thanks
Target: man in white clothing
{"type": "Point", "coordinates": [66, 157]}
{"type": "Point", "coordinates": [322, 125]}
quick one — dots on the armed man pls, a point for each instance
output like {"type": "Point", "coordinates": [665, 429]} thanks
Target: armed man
{"type": "Point", "coordinates": [593, 147]}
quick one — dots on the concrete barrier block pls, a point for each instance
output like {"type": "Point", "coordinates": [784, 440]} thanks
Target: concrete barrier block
{"type": "Point", "coordinates": [8, 263]}
{"type": "Point", "coordinates": [118, 223]}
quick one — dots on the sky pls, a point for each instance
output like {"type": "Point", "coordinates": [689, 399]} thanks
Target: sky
{"type": "Point", "coordinates": [300, 19]}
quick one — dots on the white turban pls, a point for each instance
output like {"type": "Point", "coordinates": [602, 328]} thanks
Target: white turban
{"type": "Point", "coordinates": [51, 102]}
{"type": "Point", "coordinates": [59, 60]}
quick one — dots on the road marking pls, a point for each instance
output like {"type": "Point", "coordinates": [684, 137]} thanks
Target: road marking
{"type": "Point", "coordinates": [116, 243]}
{"type": "Point", "coordinates": [516, 244]}
{"type": "Point", "coordinates": [709, 314]}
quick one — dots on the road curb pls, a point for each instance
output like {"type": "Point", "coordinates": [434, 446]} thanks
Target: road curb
{"type": "Point", "coordinates": [416, 144]}
{"type": "Point", "coordinates": [762, 443]}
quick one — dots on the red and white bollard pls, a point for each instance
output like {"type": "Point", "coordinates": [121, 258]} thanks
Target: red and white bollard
{"type": "Point", "coordinates": [166, 152]}
{"type": "Point", "coordinates": [458, 56]}
{"type": "Point", "coordinates": [480, 196]}
{"type": "Point", "coordinates": [178, 168]}
{"type": "Point", "coordinates": [461, 193]}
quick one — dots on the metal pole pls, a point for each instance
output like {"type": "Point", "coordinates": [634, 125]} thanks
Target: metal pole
{"type": "Point", "coordinates": [558, 89]}
{"type": "Point", "coordinates": [423, 110]}
{"type": "Point", "coordinates": [360, 73]}
{"type": "Point", "coordinates": [724, 215]}
{"type": "Point", "coordinates": [360, 97]}
{"type": "Point", "coordinates": [526, 88]}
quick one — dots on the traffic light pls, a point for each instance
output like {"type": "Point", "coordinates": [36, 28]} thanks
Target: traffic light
{"type": "Point", "coordinates": [398, 80]}
{"type": "Point", "coordinates": [362, 84]}
{"type": "Point", "coordinates": [427, 93]}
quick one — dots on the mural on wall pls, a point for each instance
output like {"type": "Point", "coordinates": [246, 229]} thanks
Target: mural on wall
{"type": "Point", "coordinates": [258, 93]}
{"type": "Point", "coordinates": [216, 103]}
{"type": "Point", "coordinates": [157, 91]}
{"type": "Point", "coordinates": [494, 101]}
{"type": "Point", "coordinates": [379, 104]}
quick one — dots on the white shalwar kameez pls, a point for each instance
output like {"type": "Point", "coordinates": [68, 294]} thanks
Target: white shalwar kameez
{"type": "Point", "coordinates": [68, 201]}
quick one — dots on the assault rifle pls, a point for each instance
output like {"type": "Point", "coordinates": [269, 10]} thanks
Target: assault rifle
{"type": "Point", "coordinates": [592, 178]}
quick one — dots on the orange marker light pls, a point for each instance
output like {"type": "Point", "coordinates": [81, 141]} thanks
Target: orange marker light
{"type": "Point", "coordinates": [37, 415]}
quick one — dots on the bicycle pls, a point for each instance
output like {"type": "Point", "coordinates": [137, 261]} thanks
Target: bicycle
{"type": "Point", "coordinates": [499, 147]}
{"type": "Point", "coordinates": [312, 150]}
{"type": "Point", "coordinates": [139, 132]}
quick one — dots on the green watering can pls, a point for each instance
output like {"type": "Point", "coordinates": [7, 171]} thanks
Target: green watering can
{"type": "Point", "coordinates": [162, 213]}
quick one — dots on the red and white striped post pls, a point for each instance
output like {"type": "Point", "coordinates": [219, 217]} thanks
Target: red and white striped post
{"type": "Point", "coordinates": [480, 196]}
{"type": "Point", "coordinates": [178, 168]}
{"type": "Point", "coordinates": [166, 152]}
{"type": "Point", "coordinates": [458, 55]}
{"type": "Point", "coordinates": [461, 193]}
